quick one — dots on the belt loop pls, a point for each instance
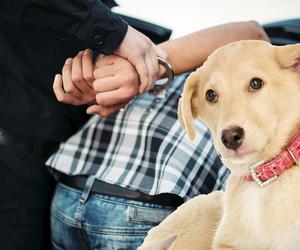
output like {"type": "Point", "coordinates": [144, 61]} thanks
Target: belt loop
{"type": "Point", "coordinates": [83, 198]}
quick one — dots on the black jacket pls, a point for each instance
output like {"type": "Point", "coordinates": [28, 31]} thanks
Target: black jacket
{"type": "Point", "coordinates": [36, 37]}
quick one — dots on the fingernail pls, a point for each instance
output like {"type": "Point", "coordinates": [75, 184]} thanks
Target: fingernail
{"type": "Point", "coordinates": [87, 52]}
{"type": "Point", "coordinates": [57, 77]}
{"type": "Point", "coordinates": [142, 89]}
{"type": "Point", "coordinates": [89, 112]}
{"type": "Point", "coordinates": [80, 53]}
{"type": "Point", "coordinates": [68, 61]}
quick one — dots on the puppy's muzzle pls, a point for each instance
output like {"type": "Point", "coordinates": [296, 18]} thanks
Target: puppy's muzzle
{"type": "Point", "coordinates": [233, 137]}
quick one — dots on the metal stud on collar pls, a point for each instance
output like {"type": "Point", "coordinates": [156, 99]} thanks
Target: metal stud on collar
{"type": "Point", "coordinates": [255, 176]}
{"type": "Point", "coordinates": [292, 155]}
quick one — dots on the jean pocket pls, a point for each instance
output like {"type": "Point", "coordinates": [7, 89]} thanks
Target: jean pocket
{"type": "Point", "coordinates": [148, 216]}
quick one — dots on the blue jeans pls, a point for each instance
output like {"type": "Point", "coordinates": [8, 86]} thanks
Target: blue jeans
{"type": "Point", "coordinates": [82, 221]}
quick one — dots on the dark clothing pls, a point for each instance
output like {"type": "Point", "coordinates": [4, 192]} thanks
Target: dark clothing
{"type": "Point", "coordinates": [26, 190]}
{"type": "Point", "coordinates": [36, 37]}
{"type": "Point", "coordinates": [30, 58]}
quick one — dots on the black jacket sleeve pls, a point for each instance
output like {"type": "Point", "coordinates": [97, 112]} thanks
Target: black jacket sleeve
{"type": "Point", "coordinates": [91, 21]}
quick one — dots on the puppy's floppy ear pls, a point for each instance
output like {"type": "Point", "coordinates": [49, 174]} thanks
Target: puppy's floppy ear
{"type": "Point", "coordinates": [289, 56]}
{"type": "Point", "coordinates": [187, 112]}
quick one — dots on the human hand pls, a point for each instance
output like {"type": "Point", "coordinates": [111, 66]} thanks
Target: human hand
{"type": "Point", "coordinates": [74, 86]}
{"type": "Point", "coordinates": [142, 53]}
{"type": "Point", "coordinates": [116, 83]}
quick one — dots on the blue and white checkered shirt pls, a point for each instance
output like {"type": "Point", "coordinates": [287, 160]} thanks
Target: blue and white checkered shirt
{"type": "Point", "coordinates": [144, 148]}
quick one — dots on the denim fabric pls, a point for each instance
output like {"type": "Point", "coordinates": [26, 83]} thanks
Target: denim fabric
{"type": "Point", "coordinates": [103, 222]}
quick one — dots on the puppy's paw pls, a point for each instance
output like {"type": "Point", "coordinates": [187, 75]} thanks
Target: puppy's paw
{"type": "Point", "coordinates": [164, 245]}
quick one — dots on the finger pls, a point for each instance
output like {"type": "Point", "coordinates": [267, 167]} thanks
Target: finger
{"type": "Point", "coordinates": [104, 111]}
{"type": "Point", "coordinates": [161, 53]}
{"type": "Point", "coordinates": [156, 69]}
{"type": "Point", "coordinates": [142, 70]}
{"type": "Point", "coordinates": [88, 67]}
{"type": "Point", "coordinates": [69, 87]}
{"type": "Point", "coordinates": [127, 79]}
{"type": "Point", "coordinates": [77, 78]}
{"type": "Point", "coordinates": [104, 71]}
{"type": "Point", "coordinates": [115, 97]}
{"type": "Point", "coordinates": [60, 94]}
{"type": "Point", "coordinates": [152, 68]}
{"type": "Point", "coordinates": [106, 84]}
{"type": "Point", "coordinates": [105, 61]}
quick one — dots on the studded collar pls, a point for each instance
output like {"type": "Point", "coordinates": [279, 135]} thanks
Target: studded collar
{"type": "Point", "coordinates": [264, 172]}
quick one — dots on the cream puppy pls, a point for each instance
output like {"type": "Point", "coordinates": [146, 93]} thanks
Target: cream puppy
{"type": "Point", "coordinates": [248, 94]}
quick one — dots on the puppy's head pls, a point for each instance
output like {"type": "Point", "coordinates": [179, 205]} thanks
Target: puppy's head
{"type": "Point", "coordinates": [248, 94]}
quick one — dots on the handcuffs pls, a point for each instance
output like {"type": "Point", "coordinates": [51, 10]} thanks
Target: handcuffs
{"type": "Point", "coordinates": [159, 88]}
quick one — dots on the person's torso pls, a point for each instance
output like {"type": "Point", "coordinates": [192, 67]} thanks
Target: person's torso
{"type": "Point", "coordinates": [144, 148]}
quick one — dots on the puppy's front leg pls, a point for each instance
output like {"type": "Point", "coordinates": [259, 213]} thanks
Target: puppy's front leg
{"type": "Point", "coordinates": [222, 240]}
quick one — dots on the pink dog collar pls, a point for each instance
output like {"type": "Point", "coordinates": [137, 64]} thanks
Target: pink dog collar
{"type": "Point", "coordinates": [263, 173]}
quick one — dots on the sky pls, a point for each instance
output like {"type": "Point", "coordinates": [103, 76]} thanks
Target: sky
{"type": "Point", "coordinates": [186, 16]}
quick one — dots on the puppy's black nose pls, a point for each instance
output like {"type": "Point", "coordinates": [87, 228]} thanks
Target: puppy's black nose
{"type": "Point", "coordinates": [233, 137]}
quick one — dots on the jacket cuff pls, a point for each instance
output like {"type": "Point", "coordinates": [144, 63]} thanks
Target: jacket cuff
{"type": "Point", "coordinates": [103, 30]}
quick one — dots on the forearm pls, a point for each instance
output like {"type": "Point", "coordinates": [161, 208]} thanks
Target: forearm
{"type": "Point", "coordinates": [189, 52]}
{"type": "Point", "coordinates": [90, 21]}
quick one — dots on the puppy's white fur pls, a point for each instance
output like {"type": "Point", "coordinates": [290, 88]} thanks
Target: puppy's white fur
{"type": "Point", "coordinates": [252, 217]}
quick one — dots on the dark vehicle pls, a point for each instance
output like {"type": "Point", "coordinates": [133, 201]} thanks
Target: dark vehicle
{"type": "Point", "coordinates": [284, 32]}
{"type": "Point", "coordinates": [281, 32]}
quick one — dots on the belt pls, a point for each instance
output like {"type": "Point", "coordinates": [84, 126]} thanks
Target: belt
{"type": "Point", "coordinates": [100, 187]}
{"type": "Point", "coordinates": [28, 145]}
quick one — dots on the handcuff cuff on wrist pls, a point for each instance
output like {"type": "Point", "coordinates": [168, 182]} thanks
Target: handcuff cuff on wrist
{"type": "Point", "coordinates": [160, 88]}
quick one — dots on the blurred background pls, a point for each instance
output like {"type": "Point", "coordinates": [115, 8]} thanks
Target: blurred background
{"type": "Point", "coordinates": [184, 17]}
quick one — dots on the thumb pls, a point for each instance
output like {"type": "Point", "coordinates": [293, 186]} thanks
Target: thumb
{"type": "Point", "coordinates": [161, 53]}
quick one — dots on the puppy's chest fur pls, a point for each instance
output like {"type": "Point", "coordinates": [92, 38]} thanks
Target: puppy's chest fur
{"type": "Point", "coordinates": [263, 218]}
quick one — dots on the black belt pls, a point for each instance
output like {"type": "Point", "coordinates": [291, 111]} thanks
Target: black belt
{"type": "Point", "coordinates": [99, 187]}
{"type": "Point", "coordinates": [36, 147]}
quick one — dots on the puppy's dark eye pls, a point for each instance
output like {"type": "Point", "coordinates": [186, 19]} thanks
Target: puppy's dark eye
{"type": "Point", "coordinates": [211, 96]}
{"type": "Point", "coordinates": [255, 84]}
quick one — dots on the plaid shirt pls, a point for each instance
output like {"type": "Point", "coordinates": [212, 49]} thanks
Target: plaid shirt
{"type": "Point", "coordinates": [144, 148]}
